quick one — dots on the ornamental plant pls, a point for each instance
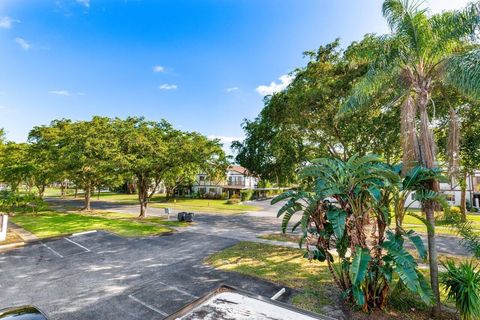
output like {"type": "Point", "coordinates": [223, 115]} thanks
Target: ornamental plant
{"type": "Point", "coordinates": [352, 233]}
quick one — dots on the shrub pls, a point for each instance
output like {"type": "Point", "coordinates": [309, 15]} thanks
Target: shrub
{"type": "Point", "coordinates": [246, 195]}
{"type": "Point", "coordinates": [14, 201]}
{"type": "Point", "coordinates": [470, 239]}
{"type": "Point", "coordinates": [224, 196]}
{"type": "Point", "coordinates": [233, 201]}
{"type": "Point", "coordinates": [452, 215]}
{"type": "Point", "coordinates": [365, 187]}
{"type": "Point", "coordinates": [462, 284]}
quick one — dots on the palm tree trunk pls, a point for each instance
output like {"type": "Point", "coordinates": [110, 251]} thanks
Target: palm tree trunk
{"type": "Point", "coordinates": [409, 135]}
{"type": "Point", "coordinates": [427, 159]}
{"type": "Point", "coordinates": [463, 196]}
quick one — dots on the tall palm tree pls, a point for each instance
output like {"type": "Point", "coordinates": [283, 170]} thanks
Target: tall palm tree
{"type": "Point", "coordinates": [421, 52]}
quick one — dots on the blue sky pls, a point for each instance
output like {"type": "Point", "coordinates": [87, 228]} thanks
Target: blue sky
{"type": "Point", "coordinates": [202, 65]}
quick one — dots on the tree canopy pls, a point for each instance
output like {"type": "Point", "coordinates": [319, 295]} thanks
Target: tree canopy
{"type": "Point", "coordinates": [105, 152]}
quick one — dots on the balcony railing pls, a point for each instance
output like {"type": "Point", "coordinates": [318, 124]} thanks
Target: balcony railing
{"type": "Point", "coordinates": [236, 183]}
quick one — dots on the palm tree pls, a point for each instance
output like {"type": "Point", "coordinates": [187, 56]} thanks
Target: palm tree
{"type": "Point", "coordinates": [421, 52]}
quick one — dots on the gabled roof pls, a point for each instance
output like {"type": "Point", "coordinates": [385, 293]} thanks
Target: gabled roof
{"type": "Point", "coordinates": [240, 170]}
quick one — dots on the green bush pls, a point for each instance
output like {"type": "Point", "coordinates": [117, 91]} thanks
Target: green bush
{"type": "Point", "coordinates": [233, 201]}
{"type": "Point", "coordinates": [452, 215]}
{"type": "Point", "coordinates": [19, 202]}
{"type": "Point", "coordinates": [224, 196]}
{"type": "Point", "coordinates": [462, 284]}
{"type": "Point", "coordinates": [246, 195]}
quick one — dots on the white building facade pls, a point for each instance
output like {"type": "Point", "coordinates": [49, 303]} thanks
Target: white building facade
{"type": "Point", "coordinates": [237, 178]}
{"type": "Point", "coordinates": [453, 192]}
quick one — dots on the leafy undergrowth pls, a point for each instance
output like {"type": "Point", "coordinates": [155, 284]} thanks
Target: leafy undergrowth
{"type": "Point", "coordinates": [286, 266]}
{"type": "Point", "coordinates": [52, 223]}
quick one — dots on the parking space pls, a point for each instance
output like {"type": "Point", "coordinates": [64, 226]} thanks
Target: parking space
{"type": "Point", "coordinates": [102, 276]}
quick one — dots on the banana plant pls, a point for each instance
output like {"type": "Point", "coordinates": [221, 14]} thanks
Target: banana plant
{"type": "Point", "coordinates": [353, 236]}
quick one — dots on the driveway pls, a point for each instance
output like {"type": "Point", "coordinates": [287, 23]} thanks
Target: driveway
{"type": "Point", "coordinates": [103, 276]}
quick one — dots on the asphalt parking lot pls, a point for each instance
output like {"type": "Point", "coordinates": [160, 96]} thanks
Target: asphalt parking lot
{"type": "Point", "coordinates": [103, 276]}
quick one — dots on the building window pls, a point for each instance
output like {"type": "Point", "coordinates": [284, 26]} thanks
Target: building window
{"type": "Point", "coordinates": [450, 197]}
{"type": "Point", "coordinates": [201, 190]}
{"type": "Point", "coordinates": [212, 190]}
{"type": "Point", "coordinates": [413, 196]}
{"type": "Point", "coordinates": [201, 178]}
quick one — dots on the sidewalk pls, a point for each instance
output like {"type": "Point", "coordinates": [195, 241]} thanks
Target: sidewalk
{"type": "Point", "coordinates": [24, 234]}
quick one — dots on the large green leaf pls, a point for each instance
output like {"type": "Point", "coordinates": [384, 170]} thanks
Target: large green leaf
{"type": "Point", "coordinates": [288, 215]}
{"type": "Point", "coordinates": [418, 243]}
{"type": "Point", "coordinates": [283, 196]}
{"type": "Point", "coordinates": [290, 204]}
{"type": "Point", "coordinates": [405, 265]}
{"type": "Point", "coordinates": [424, 290]}
{"type": "Point", "coordinates": [358, 295]}
{"type": "Point", "coordinates": [338, 218]}
{"type": "Point", "coordinates": [359, 267]}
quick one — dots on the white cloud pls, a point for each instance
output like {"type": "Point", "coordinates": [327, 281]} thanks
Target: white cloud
{"type": "Point", "coordinates": [232, 89]}
{"type": "Point", "coordinates": [3, 107]}
{"type": "Point", "coordinates": [64, 93]}
{"type": "Point", "coordinates": [85, 3]}
{"type": "Point", "coordinates": [274, 87]}
{"type": "Point", "coordinates": [158, 69]}
{"type": "Point", "coordinates": [167, 86]}
{"type": "Point", "coordinates": [23, 43]}
{"type": "Point", "coordinates": [7, 22]}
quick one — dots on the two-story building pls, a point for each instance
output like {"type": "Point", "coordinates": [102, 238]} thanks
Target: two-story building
{"type": "Point", "coordinates": [237, 178]}
{"type": "Point", "coordinates": [452, 191]}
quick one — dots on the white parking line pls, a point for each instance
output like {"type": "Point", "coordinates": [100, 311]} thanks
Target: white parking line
{"type": "Point", "coordinates": [177, 289]}
{"type": "Point", "coordinates": [148, 306]}
{"type": "Point", "coordinates": [83, 233]}
{"type": "Point", "coordinates": [78, 244]}
{"type": "Point", "coordinates": [58, 254]}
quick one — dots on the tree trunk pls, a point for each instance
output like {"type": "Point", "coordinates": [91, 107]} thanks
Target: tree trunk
{"type": "Point", "coordinates": [41, 191]}
{"type": "Point", "coordinates": [463, 197]}
{"type": "Point", "coordinates": [427, 159]}
{"type": "Point", "coordinates": [143, 196]}
{"type": "Point", "coordinates": [88, 196]}
{"type": "Point", "coordinates": [62, 189]}
{"type": "Point", "coordinates": [98, 193]}
{"type": "Point", "coordinates": [76, 192]}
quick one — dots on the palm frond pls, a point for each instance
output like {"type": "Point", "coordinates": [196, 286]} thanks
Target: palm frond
{"type": "Point", "coordinates": [375, 81]}
{"type": "Point", "coordinates": [462, 71]}
{"type": "Point", "coordinates": [453, 25]}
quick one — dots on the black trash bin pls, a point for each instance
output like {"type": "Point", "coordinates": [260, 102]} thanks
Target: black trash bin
{"type": "Point", "coordinates": [188, 217]}
{"type": "Point", "coordinates": [181, 216]}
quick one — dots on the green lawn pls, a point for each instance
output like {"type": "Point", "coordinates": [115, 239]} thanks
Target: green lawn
{"type": "Point", "coordinates": [413, 223]}
{"type": "Point", "coordinates": [205, 205]}
{"type": "Point", "coordinates": [286, 266]}
{"type": "Point", "coordinates": [52, 223]}
{"type": "Point", "coordinates": [284, 237]}
{"type": "Point", "coordinates": [159, 201]}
